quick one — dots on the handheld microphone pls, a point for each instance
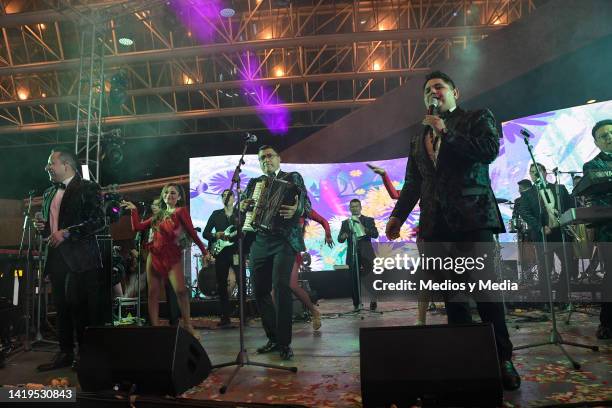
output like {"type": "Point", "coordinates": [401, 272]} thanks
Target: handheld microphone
{"type": "Point", "coordinates": [525, 133]}
{"type": "Point", "coordinates": [432, 109]}
{"type": "Point", "coordinates": [250, 138]}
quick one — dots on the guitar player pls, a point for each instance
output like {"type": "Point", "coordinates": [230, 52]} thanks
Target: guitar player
{"type": "Point", "coordinates": [219, 222]}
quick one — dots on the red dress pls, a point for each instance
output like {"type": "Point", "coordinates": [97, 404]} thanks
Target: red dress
{"type": "Point", "coordinates": [315, 216]}
{"type": "Point", "coordinates": [165, 247]}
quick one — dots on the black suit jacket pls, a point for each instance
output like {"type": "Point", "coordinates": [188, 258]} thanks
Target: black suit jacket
{"type": "Point", "coordinates": [82, 214]}
{"type": "Point", "coordinates": [291, 229]}
{"type": "Point", "coordinates": [457, 190]}
{"type": "Point", "coordinates": [364, 245]}
{"type": "Point", "coordinates": [529, 210]}
{"type": "Point", "coordinates": [601, 162]}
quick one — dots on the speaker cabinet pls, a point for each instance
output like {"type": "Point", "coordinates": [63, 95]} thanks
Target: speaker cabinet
{"type": "Point", "coordinates": [156, 360]}
{"type": "Point", "coordinates": [443, 365]}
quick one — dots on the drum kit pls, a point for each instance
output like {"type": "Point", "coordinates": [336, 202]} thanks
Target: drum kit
{"type": "Point", "coordinates": [205, 286]}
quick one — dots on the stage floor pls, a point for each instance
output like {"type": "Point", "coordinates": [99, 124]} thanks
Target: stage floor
{"type": "Point", "coordinates": [328, 361]}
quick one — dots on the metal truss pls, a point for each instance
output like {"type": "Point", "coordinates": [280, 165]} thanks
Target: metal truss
{"type": "Point", "coordinates": [320, 59]}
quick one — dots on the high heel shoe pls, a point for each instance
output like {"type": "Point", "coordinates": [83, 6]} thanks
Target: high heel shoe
{"type": "Point", "coordinates": [316, 320]}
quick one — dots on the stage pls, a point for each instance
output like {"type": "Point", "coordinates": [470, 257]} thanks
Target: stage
{"type": "Point", "coordinates": [328, 361]}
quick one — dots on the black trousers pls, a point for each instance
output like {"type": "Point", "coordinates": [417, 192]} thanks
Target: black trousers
{"type": "Point", "coordinates": [223, 262]}
{"type": "Point", "coordinates": [271, 258]}
{"type": "Point", "coordinates": [605, 254]}
{"type": "Point", "coordinates": [77, 298]}
{"type": "Point", "coordinates": [443, 244]}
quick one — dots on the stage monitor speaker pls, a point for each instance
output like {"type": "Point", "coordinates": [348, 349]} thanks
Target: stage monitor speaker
{"type": "Point", "coordinates": [156, 360]}
{"type": "Point", "coordinates": [442, 365]}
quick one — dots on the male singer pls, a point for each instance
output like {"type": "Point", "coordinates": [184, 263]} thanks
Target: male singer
{"type": "Point", "coordinates": [363, 229]}
{"type": "Point", "coordinates": [448, 171]}
{"type": "Point", "coordinates": [72, 215]}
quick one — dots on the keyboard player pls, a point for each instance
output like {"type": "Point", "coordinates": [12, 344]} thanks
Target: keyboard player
{"type": "Point", "coordinates": [602, 164]}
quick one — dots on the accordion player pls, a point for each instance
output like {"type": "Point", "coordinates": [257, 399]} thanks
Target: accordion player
{"type": "Point", "coordinates": [267, 195]}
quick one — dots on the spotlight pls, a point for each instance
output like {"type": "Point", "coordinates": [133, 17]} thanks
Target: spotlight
{"type": "Point", "coordinates": [126, 42]}
{"type": "Point", "coordinates": [279, 71]}
{"type": "Point", "coordinates": [23, 93]}
{"type": "Point", "coordinates": [591, 101]}
{"type": "Point", "coordinates": [112, 148]}
{"type": "Point", "coordinates": [112, 206]}
{"type": "Point", "coordinates": [227, 12]}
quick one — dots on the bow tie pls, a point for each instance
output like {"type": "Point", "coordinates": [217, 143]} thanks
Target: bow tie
{"type": "Point", "coordinates": [59, 186]}
{"type": "Point", "coordinates": [445, 115]}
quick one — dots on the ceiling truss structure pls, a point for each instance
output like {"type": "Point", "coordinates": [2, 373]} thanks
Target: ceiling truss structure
{"type": "Point", "coordinates": [320, 59]}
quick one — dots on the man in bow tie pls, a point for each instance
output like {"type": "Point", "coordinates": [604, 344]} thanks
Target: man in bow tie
{"type": "Point", "coordinates": [72, 214]}
{"type": "Point", "coordinates": [448, 171]}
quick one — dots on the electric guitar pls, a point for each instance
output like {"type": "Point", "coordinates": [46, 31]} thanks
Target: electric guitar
{"type": "Point", "coordinates": [230, 233]}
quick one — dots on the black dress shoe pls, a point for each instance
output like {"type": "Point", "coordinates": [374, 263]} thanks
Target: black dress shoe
{"type": "Point", "coordinates": [60, 360]}
{"type": "Point", "coordinates": [510, 378]}
{"type": "Point", "coordinates": [286, 353]}
{"type": "Point", "coordinates": [268, 347]}
{"type": "Point", "coordinates": [603, 332]}
{"type": "Point", "coordinates": [373, 306]}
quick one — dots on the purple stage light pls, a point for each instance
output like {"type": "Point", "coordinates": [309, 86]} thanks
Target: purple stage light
{"type": "Point", "coordinates": [273, 115]}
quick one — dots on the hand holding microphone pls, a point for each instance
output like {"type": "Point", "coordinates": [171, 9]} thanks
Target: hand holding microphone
{"type": "Point", "coordinates": [432, 119]}
{"type": "Point", "coordinates": [39, 222]}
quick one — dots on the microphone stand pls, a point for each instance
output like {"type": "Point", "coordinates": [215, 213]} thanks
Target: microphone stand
{"type": "Point", "coordinates": [26, 232]}
{"type": "Point", "coordinates": [555, 337]}
{"type": "Point", "coordinates": [242, 359]}
{"type": "Point", "coordinates": [41, 289]}
{"type": "Point", "coordinates": [139, 320]}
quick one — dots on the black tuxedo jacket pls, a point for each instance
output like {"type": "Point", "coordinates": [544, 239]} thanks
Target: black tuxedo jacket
{"type": "Point", "coordinates": [82, 214]}
{"type": "Point", "coordinates": [364, 245]}
{"type": "Point", "coordinates": [291, 229]}
{"type": "Point", "coordinates": [458, 189]}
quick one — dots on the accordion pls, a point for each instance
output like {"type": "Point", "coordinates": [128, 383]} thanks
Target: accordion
{"type": "Point", "coordinates": [269, 194]}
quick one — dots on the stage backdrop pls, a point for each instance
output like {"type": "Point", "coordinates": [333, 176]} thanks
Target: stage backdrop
{"type": "Point", "coordinates": [561, 139]}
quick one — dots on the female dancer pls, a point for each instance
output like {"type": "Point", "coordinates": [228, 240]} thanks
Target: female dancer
{"type": "Point", "coordinates": [164, 261]}
{"type": "Point", "coordinates": [295, 287]}
{"type": "Point", "coordinates": [424, 296]}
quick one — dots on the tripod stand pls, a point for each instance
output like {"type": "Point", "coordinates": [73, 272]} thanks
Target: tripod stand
{"type": "Point", "coordinates": [27, 234]}
{"type": "Point", "coordinates": [555, 337]}
{"type": "Point", "coordinates": [242, 359]}
{"type": "Point", "coordinates": [40, 289]}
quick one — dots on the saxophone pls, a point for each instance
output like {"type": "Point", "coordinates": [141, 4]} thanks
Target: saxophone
{"type": "Point", "coordinates": [548, 199]}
